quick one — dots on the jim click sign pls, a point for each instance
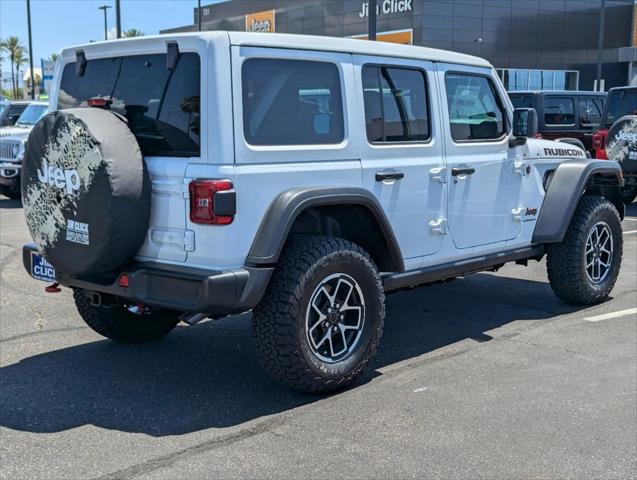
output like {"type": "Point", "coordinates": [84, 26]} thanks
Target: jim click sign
{"type": "Point", "coordinates": [260, 21]}
{"type": "Point", "coordinates": [387, 6]}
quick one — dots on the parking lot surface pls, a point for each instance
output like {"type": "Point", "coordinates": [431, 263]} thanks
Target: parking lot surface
{"type": "Point", "coordinates": [489, 376]}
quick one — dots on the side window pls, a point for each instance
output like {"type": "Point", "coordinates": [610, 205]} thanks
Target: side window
{"type": "Point", "coordinates": [291, 102]}
{"type": "Point", "coordinates": [475, 112]}
{"type": "Point", "coordinates": [559, 111]}
{"type": "Point", "coordinates": [395, 104]}
{"type": "Point", "coordinates": [589, 111]}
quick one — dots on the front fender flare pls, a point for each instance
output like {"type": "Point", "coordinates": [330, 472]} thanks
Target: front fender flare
{"type": "Point", "coordinates": [564, 193]}
{"type": "Point", "coordinates": [285, 209]}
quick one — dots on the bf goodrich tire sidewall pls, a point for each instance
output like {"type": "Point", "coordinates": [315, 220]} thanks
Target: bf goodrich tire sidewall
{"type": "Point", "coordinates": [373, 308]}
{"type": "Point", "coordinates": [86, 191]}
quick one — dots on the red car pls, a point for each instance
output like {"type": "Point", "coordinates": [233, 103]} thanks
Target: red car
{"type": "Point", "coordinates": [620, 115]}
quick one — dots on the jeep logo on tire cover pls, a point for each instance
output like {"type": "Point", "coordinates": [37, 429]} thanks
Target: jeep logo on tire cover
{"type": "Point", "coordinates": [622, 140]}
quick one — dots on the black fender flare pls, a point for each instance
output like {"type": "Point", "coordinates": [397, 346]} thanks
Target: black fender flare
{"type": "Point", "coordinates": [288, 205]}
{"type": "Point", "coordinates": [564, 193]}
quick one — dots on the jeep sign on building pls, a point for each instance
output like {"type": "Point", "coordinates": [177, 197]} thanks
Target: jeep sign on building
{"type": "Point", "coordinates": [534, 44]}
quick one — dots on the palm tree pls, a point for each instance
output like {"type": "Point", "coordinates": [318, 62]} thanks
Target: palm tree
{"type": "Point", "coordinates": [13, 46]}
{"type": "Point", "coordinates": [19, 59]}
{"type": "Point", "coordinates": [53, 57]}
{"type": "Point", "coordinates": [133, 32]}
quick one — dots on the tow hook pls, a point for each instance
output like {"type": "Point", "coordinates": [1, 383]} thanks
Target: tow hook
{"type": "Point", "coordinates": [53, 288]}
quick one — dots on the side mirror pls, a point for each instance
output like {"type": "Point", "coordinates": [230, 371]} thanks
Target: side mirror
{"type": "Point", "coordinates": [524, 122]}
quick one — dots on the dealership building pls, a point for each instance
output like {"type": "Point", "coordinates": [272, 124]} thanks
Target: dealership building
{"type": "Point", "coordinates": [533, 44]}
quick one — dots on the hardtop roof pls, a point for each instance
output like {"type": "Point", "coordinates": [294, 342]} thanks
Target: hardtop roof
{"type": "Point", "coordinates": [291, 41]}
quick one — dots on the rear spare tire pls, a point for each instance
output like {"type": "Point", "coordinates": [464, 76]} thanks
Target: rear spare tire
{"type": "Point", "coordinates": [85, 190]}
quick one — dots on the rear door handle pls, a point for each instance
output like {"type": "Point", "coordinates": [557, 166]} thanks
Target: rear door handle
{"type": "Point", "coordinates": [389, 175]}
{"type": "Point", "coordinates": [462, 171]}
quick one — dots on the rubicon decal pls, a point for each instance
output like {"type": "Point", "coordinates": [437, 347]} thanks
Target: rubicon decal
{"type": "Point", "coordinates": [563, 152]}
{"type": "Point", "coordinates": [59, 178]}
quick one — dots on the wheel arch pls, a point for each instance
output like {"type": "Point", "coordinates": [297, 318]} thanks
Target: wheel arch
{"type": "Point", "coordinates": [350, 213]}
{"type": "Point", "coordinates": [573, 179]}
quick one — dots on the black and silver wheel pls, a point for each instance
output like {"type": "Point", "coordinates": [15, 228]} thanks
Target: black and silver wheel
{"type": "Point", "coordinates": [125, 323]}
{"type": "Point", "coordinates": [583, 268]}
{"type": "Point", "coordinates": [321, 318]}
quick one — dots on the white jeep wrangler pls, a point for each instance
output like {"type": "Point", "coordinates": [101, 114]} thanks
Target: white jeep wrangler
{"type": "Point", "coordinates": [189, 176]}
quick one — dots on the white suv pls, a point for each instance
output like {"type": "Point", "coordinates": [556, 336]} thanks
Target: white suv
{"type": "Point", "coordinates": [302, 178]}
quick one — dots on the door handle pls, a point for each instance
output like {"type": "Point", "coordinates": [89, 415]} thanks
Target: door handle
{"type": "Point", "coordinates": [462, 171]}
{"type": "Point", "coordinates": [389, 175]}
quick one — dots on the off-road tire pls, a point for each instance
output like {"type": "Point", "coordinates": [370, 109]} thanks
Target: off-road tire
{"type": "Point", "coordinates": [566, 261]}
{"type": "Point", "coordinates": [117, 323]}
{"type": "Point", "coordinates": [625, 195]}
{"type": "Point", "coordinates": [279, 321]}
{"type": "Point", "coordinates": [9, 192]}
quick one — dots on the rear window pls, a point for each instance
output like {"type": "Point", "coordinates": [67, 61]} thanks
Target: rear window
{"type": "Point", "coordinates": [523, 101]}
{"type": "Point", "coordinates": [619, 104]}
{"type": "Point", "coordinates": [291, 102]}
{"type": "Point", "coordinates": [161, 105]}
{"type": "Point", "coordinates": [559, 111]}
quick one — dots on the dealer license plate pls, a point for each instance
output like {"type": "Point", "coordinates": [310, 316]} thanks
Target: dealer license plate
{"type": "Point", "coordinates": [41, 269]}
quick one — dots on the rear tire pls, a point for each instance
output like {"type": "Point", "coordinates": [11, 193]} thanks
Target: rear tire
{"type": "Point", "coordinates": [116, 322]}
{"type": "Point", "coordinates": [583, 268]}
{"type": "Point", "coordinates": [321, 318]}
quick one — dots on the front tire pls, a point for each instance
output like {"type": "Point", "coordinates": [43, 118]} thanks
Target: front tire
{"type": "Point", "coordinates": [321, 318]}
{"type": "Point", "coordinates": [119, 323]}
{"type": "Point", "coordinates": [583, 268]}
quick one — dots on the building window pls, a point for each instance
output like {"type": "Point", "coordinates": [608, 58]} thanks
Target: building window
{"type": "Point", "coordinates": [291, 102]}
{"type": "Point", "coordinates": [559, 111]}
{"type": "Point", "coordinates": [515, 79]}
{"type": "Point", "coordinates": [395, 104]}
{"type": "Point", "coordinates": [475, 112]}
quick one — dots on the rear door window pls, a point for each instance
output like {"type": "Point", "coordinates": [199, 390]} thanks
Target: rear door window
{"type": "Point", "coordinates": [559, 111]}
{"type": "Point", "coordinates": [395, 104]}
{"type": "Point", "coordinates": [161, 105]}
{"type": "Point", "coordinates": [589, 112]}
{"type": "Point", "coordinates": [522, 101]}
{"type": "Point", "coordinates": [291, 102]}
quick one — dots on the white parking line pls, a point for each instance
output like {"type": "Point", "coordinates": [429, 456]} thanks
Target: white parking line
{"type": "Point", "coordinates": [608, 316]}
{"type": "Point", "coordinates": [630, 219]}
{"type": "Point", "coordinates": [630, 231]}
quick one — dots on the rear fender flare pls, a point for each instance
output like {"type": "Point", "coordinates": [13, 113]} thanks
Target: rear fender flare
{"type": "Point", "coordinates": [287, 206]}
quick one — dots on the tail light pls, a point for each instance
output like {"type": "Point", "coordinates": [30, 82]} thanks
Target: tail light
{"type": "Point", "coordinates": [537, 135]}
{"type": "Point", "coordinates": [598, 141]}
{"type": "Point", "coordinates": [212, 202]}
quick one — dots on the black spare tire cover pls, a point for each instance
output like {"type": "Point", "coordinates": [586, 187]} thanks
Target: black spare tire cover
{"type": "Point", "coordinates": [85, 190]}
{"type": "Point", "coordinates": [621, 143]}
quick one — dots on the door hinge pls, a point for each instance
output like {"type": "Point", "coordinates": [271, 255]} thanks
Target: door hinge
{"type": "Point", "coordinates": [185, 239]}
{"type": "Point", "coordinates": [438, 174]}
{"type": "Point", "coordinates": [522, 168]}
{"type": "Point", "coordinates": [439, 226]}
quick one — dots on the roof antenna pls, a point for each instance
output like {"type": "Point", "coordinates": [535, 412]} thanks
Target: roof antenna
{"type": "Point", "coordinates": [80, 63]}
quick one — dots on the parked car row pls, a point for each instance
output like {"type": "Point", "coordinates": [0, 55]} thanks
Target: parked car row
{"type": "Point", "coordinates": [12, 142]}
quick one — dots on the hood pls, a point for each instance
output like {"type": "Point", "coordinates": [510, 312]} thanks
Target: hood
{"type": "Point", "coordinates": [21, 135]}
{"type": "Point", "coordinates": [540, 148]}
{"type": "Point", "coordinates": [6, 131]}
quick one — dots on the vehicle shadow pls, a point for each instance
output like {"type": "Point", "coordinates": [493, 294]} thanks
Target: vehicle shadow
{"type": "Point", "coordinates": [208, 377]}
{"type": "Point", "coordinates": [6, 202]}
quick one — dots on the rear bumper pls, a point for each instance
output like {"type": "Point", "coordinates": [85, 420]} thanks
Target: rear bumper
{"type": "Point", "coordinates": [183, 289]}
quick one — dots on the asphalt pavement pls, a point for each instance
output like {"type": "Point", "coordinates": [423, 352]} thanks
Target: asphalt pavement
{"type": "Point", "coordinates": [489, 376]}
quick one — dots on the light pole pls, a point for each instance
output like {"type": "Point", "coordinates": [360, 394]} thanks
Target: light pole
{"type": "Point", "coordinates": [371, 7]}
{"type": "Point", "coordinates": [118, 19]}
{"type": "Point", "coordinates": [199, 15]}
{"type": "Point", "coordinates": [600, 44]}
{"type": "Point", "coordinates": [105, 8]}
{"type": "Point", "coordinates": [30, 51]}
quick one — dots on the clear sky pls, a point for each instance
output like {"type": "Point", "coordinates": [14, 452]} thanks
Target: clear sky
{"type": "Point", "coordinates": [61, 23]}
